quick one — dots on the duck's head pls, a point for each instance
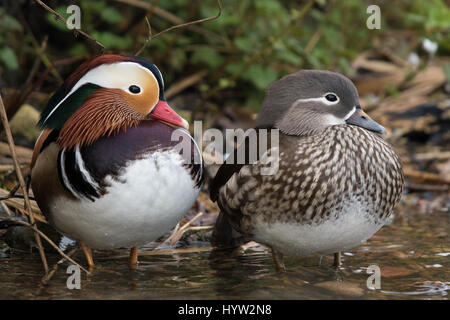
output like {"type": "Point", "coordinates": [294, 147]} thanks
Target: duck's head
{"type": "Point", "coordinates": [309, 101]}
{"type": "Point", "coordinates": [105, 95]}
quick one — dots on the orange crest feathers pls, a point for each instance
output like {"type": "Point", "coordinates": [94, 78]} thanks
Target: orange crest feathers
{"type": "Point", "coordinates": [104, 113]}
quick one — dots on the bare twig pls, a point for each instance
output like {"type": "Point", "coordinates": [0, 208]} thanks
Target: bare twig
{"type": "Point", "coordinates": [59, 17]}
{"type": "Point", "coordinates": [147, 40]}
{"type": "Point", "coordinates": [49, 275]}
{"type": "Point", "coordinates": [171, 17]}
{"type": "Point", "coordinates": [15, 100]}
{"type": "Point", "coordinates": [48, 240]}
{"type": "Point", "coordinates": [178, 232]}
{"type": "Point", "coordinates": [164, 252]}
{"type": "Point", "coordinates": [23, 154]}
{"type": "Point", "coordinates": [182, 25]}
{"type": "Point", "coordinates": [5, 207]}
{"type": "Point", "coordinates": [21, 180]}
{"type": "Point", "coordinates": [19, 205]}
{"type": "Point", "coordinates": [185, 83]}
{"type": "Point", "coordinates": [437, 155]}
{"type": "Point", "coordinates": [425, 177]}
{"type": "Point", "coordinates": [427, 187]}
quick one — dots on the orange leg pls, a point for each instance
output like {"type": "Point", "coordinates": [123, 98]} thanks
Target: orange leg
{"type": "Point", "coordinates": [88, 254]}
{"type": "Point", "coordinates": [133, 261]}
{"type": "Point", "coordinates": [278, 259]}
{"type": "Point", "coordinates": [337, 260]}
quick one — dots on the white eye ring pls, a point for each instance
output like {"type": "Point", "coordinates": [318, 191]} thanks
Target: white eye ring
{"type": "Point", "coordinates": [331, 98]}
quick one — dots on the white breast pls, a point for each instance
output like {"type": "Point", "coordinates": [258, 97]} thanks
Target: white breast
{"type": "Point", "coordinates": [330, 236]}
{"type": "Point", "coordinates": [156, 194]}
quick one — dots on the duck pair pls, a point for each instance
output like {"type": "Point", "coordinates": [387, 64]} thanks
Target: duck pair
{"type": "Point", "coordinates": [107, 172]}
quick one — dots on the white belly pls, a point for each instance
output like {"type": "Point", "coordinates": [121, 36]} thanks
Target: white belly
{"type": "Point", "coordinates": [157, 194]}
{"type": "Point", "coordinates": [336, 234]}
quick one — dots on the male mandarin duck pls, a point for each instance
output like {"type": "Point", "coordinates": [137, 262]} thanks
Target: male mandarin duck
{"type": "Point", "coordinates": [337, 181]}
{"type": "Point", "coordinates": [110, 168]}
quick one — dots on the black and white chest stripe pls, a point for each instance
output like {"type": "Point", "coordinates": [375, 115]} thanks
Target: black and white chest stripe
{"type": "Point", "coordinates": [75, 176]}
{"type": "Point", "coordinates": [84, 177]}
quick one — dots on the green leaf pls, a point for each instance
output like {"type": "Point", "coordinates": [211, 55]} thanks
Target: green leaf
{"type": "Point", "coordinates": [244, 43]}
{"type": "Point", "coordinates": [10, 23]}
{"type": "Point", "coordinates": [207, 56]}
{"type": "Point", "coordinates": [111, 15]}
{"type": "Point", "coordinates": [261, 76]}
{"type": "Point", "coordinates": [289, 57]}
{"type": "Point", "coordinates": [446, 69]}
{"type": "Point", "coordinates": [255, 99]}
{"type": "Point", "coordinates": [8, 58]}
{"type": "Point", "coordinates": [234, 68]}
{"type": "Point", "coordinates": [78, 50]}
{"type": "Point", "coordinates": [112, 41]}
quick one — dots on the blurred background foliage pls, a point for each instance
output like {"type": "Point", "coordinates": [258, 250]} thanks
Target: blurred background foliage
{"type": "Point", "coordinates": [252, 44]}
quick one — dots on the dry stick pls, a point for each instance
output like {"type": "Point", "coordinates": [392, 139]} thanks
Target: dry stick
{"type": "Point", "coordinates": [185, 83]}
{"type": "Point", "coordinates": [48, 240]}
{"type": "Point", "coordinates": [5, 207]}
{"type": "Point", "coordinates": [165, 252]}
{"type": "Point", "coordinates": [146, 40]}
{"type": "Point", "coordinates": [178, 232]}
{"type": "Point", "coordinates": [45, 279]}
{"type": "Point", "coordinates": [147, 17]}
{"type": "Point", "coordinates": [219, 4]}
{"type": "Point", "coordinates": [170, 17]}
{"type": "Point", "coordinates": [425, 176]}
{"type": "Point", "coordinates": [26, 88]}
{"type": "Point", "coordinates": [21, 180]}
{"type": "Point", "coordinates": [181, 25]}
{"type": "Point", "coordinates": [59, 17]}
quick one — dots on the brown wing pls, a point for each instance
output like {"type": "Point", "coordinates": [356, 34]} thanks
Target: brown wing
{"type": "Point", "coordinates": [227, 170]}
{"type": "Point", "coordinates": [224, 234]}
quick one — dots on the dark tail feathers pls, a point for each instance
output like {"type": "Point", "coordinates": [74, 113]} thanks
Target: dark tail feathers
{"type": "Point", "coordinates": [224, 235]}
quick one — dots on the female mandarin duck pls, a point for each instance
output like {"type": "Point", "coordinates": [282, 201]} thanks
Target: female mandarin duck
{"type": "Point", "coordinates": [337, 181]}
{"type": "Point", "coordinates": [106, 170]}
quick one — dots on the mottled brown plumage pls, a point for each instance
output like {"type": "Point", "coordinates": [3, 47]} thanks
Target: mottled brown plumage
{"type": "Point", "coordinates": [337, 181]}
{"type": "Point", "coordinates": [315, 180]}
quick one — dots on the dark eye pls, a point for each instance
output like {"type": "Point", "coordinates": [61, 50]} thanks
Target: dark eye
{"type": "Point", "coordinates": [331, 97]}
{"type": "Point", "coordinates": [134, 89]}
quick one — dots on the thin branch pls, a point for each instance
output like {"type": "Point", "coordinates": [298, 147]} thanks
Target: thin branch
{"type": "Point", "coordinates": [185, 83]}
{"type": "Point", "coordinates": [16, 100]}
{"type": "Point", "coordinates": [178, 232]}
{"type": "Point", "coordinates": [219, 4]}
{"type": "Point", "coordinates": [172, 18]}
{"type": "Point", "coordinates": [49, 275]}
{"type": "Point", "coordinates": [181, 25]}
{"type": "Point", "coordinates": [48, 240]}
{"type": "Point", "coordinates": [19, 205]}
{"type": "Point", "coordinates": [147, 40]}
{"type": "Point", "coordinates": [76, 31]}
{"type": "Point", "coordinates": [19, 174]}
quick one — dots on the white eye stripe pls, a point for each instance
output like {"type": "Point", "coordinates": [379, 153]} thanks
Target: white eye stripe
{"type": "Point", "coordinates": [320, 99]}
{"type": "Point", "coordinates": [96, 76]}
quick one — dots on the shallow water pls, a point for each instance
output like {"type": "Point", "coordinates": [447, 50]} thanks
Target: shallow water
{"type": "Point", "coordinates": [413, 254]}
